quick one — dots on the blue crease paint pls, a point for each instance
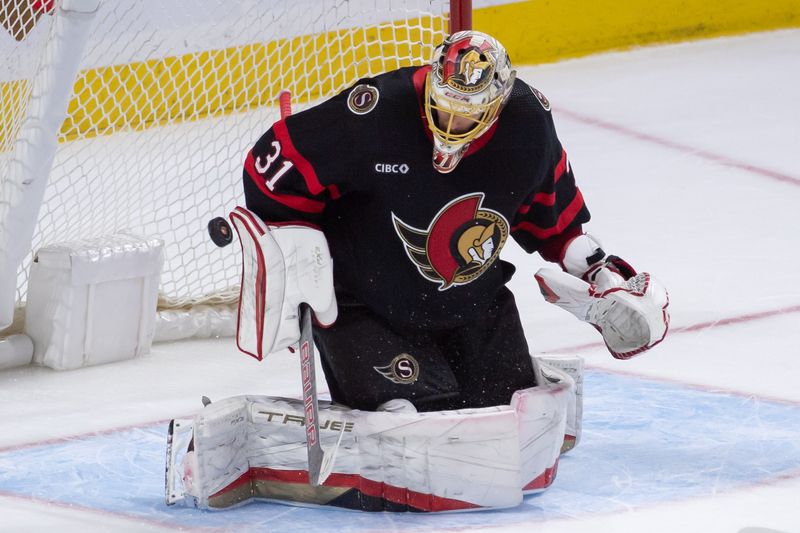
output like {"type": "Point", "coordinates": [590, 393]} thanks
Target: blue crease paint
{"type": "Point", "coordinates": [644, 442]}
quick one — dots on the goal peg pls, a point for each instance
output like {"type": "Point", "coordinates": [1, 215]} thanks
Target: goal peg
{"type": "Point", "coordinates": [220, 231]}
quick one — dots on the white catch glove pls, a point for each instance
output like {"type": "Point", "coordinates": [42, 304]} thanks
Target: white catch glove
{"type": "Point", "coordinates": [282, 267]}
{"type": "Point", "coordinates": [629, 309]}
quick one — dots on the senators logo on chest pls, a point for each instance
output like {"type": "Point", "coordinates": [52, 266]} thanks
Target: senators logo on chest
{"type": "Point", "coordinates": [460, 244]}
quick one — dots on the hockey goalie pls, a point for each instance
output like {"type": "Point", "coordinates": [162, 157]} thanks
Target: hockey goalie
{"type": "Point", "coordinates": [436, 402]}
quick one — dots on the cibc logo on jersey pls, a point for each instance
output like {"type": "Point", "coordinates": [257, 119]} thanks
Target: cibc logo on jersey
{"type": "Point", "coordinates": [392, 168]}
{"type": "Point", "coordinates": [460, 244]}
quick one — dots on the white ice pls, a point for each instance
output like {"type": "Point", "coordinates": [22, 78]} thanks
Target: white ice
{"type": "Point", "coordinates": [689, 158]}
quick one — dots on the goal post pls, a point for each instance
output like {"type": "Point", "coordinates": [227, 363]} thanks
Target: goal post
{"type": "Point", "coordinates": [135, 116]}
{"type": "Point", "coordinates": [35, 145]}
{"type": "Point", "coordinates": [460, 15]}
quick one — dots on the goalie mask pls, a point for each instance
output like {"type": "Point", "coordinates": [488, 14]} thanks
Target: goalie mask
{"type": "Point", "coordinates": [468, 85]}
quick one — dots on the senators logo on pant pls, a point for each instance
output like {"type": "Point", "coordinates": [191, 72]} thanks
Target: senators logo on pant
{"type": "Point", "coordinates": [460, 244]}
{"type": "Point", "coordinates": [404, 369]}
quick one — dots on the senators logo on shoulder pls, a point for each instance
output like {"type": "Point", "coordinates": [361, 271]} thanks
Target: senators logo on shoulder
{"type": "Point", "coordinates": [363, 99]}
{"type": "Point", "coordinates": [459, 245]}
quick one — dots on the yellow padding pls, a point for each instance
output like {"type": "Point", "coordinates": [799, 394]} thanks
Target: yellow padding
{"type": "Point", "coordinates": [538, 31]}
{"type": "Point", "coordinates": [194, 86]}
{"type": "Point", "coordinates": [205, 84]}
{"type": "Point", "coordinates": [13, 102]}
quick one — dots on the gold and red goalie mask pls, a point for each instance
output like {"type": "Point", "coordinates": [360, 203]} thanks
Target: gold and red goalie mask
{"type": "Point", "coordinates": [469, 83]}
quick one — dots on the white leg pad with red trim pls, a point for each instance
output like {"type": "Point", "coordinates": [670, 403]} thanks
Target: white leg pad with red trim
{"type": "Point", "coordinates": [282, 267]}
{"type": "Point", "coordinates": [573, 367]}
{"type": "Point", "coordinates": [253, 447]}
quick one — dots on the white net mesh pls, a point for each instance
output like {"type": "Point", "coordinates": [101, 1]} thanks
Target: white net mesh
{"type": "Point", "coordinates": [172, 94]}
{"type": "Point", "coordinates": [21, 45]}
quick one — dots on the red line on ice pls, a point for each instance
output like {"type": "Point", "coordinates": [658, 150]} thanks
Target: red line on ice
{"type": "Point", "coordinates": [62, 440]}
{"type": "Point", "coordinates": [565, 349]}
{"type": "Point", "coordinates": [691, 329]}
{"type": "Point", "coordinates": [696, 327]}
{"type": "Point", "coordinates": [143, 519]}
{"type": "Point", "coordinates": [683, 148]}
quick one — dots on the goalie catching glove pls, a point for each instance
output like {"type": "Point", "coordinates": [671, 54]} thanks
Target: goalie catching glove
{"type": "Point", "coordinates": [629, 309]}
{"type": "Point", "coordinates": [282, 267]}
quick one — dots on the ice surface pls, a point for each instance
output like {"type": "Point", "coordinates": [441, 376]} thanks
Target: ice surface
{"type": "Point", "coordinates": [688, 156]}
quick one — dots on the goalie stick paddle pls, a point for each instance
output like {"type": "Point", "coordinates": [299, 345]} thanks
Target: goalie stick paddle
{"type": "Point", "coordinates": [320, 461]}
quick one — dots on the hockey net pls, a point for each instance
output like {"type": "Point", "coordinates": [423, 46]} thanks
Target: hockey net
{"type": "Point", "coordinates": [168, 98]}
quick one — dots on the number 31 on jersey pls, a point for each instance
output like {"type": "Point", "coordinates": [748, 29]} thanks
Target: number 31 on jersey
{"type": "Point", "coordinates": [263, 165]}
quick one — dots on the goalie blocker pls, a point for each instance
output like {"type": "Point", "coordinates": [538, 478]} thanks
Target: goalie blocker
{"type": "Point", "coordinates": [283, 266]}
{"type": "Point", "coordinates": [249, 448]}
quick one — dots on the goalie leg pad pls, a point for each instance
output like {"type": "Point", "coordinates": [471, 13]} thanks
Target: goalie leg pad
{"type": "Point", "coordinates": [572, 367]}
{"type": "Point", "coordinates": [177, 483]}
{"type": "Point", "coordinates": [253, 447]}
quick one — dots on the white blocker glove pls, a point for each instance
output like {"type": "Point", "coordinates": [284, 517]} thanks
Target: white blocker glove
{"type": "Point", "coordinates": [629, 309]}
{"type": "Point", "coordinates": [282, 267]}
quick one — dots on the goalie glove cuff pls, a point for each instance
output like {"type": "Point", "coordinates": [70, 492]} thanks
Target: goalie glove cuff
{"type": "Point", "coordinates": [581, 255]}
{"type": "Point", "coordinates": [584, 258]}
{"type": "Point", "coordinates": [612, 263]}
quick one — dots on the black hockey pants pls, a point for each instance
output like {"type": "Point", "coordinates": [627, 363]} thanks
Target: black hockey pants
{"type": "Point", "coordinates": [366, 362]}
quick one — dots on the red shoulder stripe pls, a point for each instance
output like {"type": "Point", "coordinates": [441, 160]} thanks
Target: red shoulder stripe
{"type": "Point", "coordinates": [297, 203]}
{"type": "Point", "coordinates": [295, 223]}
{"type": "Point", "coordinates": [291, 153]}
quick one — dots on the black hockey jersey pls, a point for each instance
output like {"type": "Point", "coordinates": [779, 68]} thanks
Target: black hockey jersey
{"type": "Point", "coordinates": [417, 247]}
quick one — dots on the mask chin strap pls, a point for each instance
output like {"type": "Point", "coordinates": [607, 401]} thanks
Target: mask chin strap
{"type": "Point", "coordinates": [445, 161]}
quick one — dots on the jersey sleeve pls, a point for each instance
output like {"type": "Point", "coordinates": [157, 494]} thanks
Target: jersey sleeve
{"type": "Point", "coordinates": [554, 212]}
{"type": "Point", "coordinates": [280, 185]}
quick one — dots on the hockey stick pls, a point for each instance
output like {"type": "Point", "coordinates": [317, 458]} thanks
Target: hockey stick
{"type": "Point", "coordinates": [320, 461]}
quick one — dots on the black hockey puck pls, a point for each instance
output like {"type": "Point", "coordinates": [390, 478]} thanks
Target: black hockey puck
{"type": "Point", "coordinates": [220, 231]}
